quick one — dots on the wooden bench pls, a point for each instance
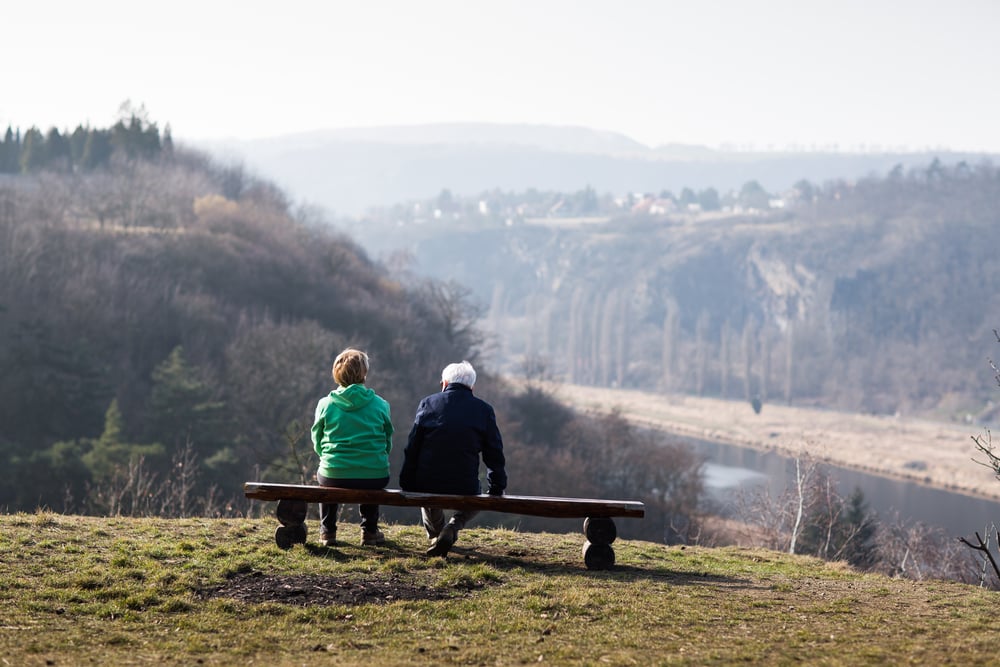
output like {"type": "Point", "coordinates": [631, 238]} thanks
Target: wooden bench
{"type": "Point", "coordinates": [598, 526]}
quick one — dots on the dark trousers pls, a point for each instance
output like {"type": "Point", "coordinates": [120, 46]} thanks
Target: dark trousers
{"type": "Point", "coordinates": [328, 511]}
{"type": "Point", "coordinates": [434, 520]}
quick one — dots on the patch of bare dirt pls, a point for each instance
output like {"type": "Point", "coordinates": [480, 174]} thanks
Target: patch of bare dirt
{"type": "Point", "coordinates": [309, 590]}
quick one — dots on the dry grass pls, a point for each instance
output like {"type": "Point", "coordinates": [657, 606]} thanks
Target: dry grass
{"type": "Point", "coordinates": [938, 454]}
{"type": "Point", "coordinates": [80, 590]}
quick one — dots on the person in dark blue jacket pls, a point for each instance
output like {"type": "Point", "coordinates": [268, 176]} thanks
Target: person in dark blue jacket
{"type": "Point", "coordinates": [451, 431]}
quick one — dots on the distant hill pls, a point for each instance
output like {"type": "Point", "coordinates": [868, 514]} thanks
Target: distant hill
{"type": "Point", "coordinates": [877, 296]}
{"type": "Point", "coordinates": [350, 170]}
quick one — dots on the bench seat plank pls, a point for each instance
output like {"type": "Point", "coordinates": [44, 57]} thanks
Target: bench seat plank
{"type": "Point", "coordinates": [560, 508]}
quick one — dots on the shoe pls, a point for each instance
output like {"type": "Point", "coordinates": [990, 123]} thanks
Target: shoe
{"type": "Point", "coordinates": [328, 540]}
{"type": "Point", "coordinates": [443, 542]}
{"type": "Point", "coordinates": [373, 538]}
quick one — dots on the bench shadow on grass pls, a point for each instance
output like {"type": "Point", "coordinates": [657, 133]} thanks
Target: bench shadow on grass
{"type": "Point", "coordinates": [510, 560]}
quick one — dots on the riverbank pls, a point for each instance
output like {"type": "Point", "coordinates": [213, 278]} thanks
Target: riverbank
{"type": "Point", "coordinates": [936, 454]}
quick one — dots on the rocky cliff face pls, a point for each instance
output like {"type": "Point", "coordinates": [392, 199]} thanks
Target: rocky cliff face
{"type": "Point", "coordinates": [861, 309]}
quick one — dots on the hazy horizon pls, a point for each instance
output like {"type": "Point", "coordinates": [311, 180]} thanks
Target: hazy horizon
{"type": "Point", "coordinates": [438, 132]}
{"type": "Point", "coordinates": [764, 76]}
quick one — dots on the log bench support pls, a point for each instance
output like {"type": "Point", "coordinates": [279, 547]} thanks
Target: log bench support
{"type": "Point", "coordinates": [598, 525]}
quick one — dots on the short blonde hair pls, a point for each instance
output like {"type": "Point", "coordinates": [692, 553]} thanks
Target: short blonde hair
{"type": "Point", "coordinates": [350, 367]}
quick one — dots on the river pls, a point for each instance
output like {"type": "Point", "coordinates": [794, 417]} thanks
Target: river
{"type": "Point", "coordinates": [729, 467]}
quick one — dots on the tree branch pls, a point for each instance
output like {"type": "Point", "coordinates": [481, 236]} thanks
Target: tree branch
{"type": "Point", "coordinates": [985, 549]}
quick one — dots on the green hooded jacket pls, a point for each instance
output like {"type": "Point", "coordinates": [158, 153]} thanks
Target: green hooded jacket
{"type": "Point", "coordinates": [352, 434]}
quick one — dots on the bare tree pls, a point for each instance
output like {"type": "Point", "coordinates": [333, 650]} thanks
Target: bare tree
{"type": "Point", "coordinates": [701, 351]}
{"type": "Point", "coordinates": [810, 517]}
{"type": "Point", "coordinates": [765, 365]}
{"type": "Point", "coordinates": [918, 551]}
{"type": "Point", "coordinates": [497, 313]}
{"type": "Point", "coordinates": [984, 444]}
{"type": "Point", "coordinates": [801, 481]}
{"type": "Point", "coordinates": [180, 484]}
{"type": "Point", "coordinates": [671, 339]}
{"type": "Point", "coordinates": [789, 361]}
{"type": "Point", "coordinates": [129, 491]}
{"type": "Point", "coordinates": [134, 490]}
{"type": "Point", "coordinates": [749, 340]}
{"type": "Point", "coordinates": [594, 339]}
{"type": "Point", "coordinates": [457, 310]}
{"type": "Point", "coordinates": [724, 360]}
{"type": "Point", "coordinates": [606, 335]}
{"type": "Point", "coordinates": [623, 335]}
{"type": "Point", "coordinates": [983, 546]}
{"type": "Point", "coordinates": [575, 336]}
{"type": "Point", "coordinates": [984, 441]}
{"type": "Point", "coordinates": [776, 522]}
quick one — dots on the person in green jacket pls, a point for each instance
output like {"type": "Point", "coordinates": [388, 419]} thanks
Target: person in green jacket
{"type": "Point", "coordinates": [352, 434]}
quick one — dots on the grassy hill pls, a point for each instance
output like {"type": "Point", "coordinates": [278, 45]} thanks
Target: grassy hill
{"type": "Point", "coordinates": [82, 590]}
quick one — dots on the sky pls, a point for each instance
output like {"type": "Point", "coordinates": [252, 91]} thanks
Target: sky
{"type": "Point", "coordinates": [746, 74]}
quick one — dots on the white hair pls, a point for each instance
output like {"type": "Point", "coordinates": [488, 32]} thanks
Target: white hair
{"type": "Point", "coordinates": [460, 373]}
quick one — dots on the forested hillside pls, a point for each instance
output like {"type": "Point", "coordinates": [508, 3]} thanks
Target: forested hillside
{"type": "Point", "coordinates": [162, 303]}
{"type": "Point", "coordinates": [167, 325]}
{"type": "Point", "coordinates": [877, 296]}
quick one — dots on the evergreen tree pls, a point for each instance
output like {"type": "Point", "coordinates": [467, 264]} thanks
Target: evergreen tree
{"type": "Point", "coordinates": [9, 153]}
{"type": "Point", "coordinates": [9, 477]}
{"type": "Point", "coordinates": [688, 197]}
{"type": "Point", "coordinates": [168, 141]}
{"type": "Point", "coordinates": [77, 145]}
{"type": "Point", "coordinates": [708, 199]}
{"type": "Point", "coordinates": [111, 452]}
{"type": "Point", "coordinates": [805, 190]}
{"type": "Point", "coordinates": [181, 408]}
{"type": "Point", "coordinates": [860, 527]}
{"type": "Point", "coordinates": [32, 156]}
{"type": "Point", "coordinates": [134, 135]}
{"type": "Point", "coordinates": [54, 477]}
{"type": "Point", "coordinates": [96, 150]}
{"type": "Point", "coordinates": [839, 529]}
{"type": "Point", "coordinates": [55, 385]}
{"type": "Point", "coordinates": [57, 151]}
{"type": "Point", "coordinates": [754, 196]}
